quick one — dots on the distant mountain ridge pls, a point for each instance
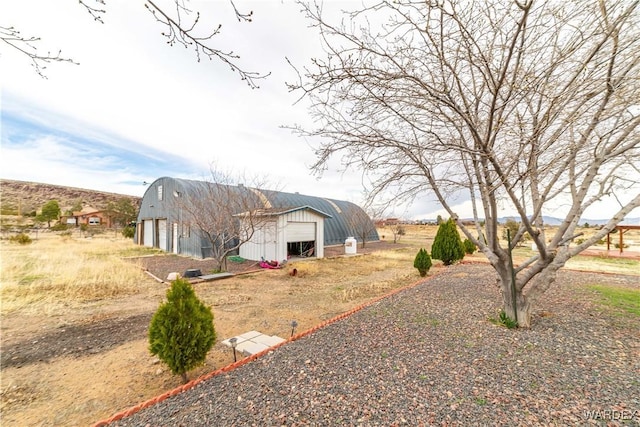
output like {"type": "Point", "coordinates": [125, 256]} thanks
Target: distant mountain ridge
{"type": "Point", "coordinates": [549, 220]}
{"type": "Point", "coordinates": [25, 197]}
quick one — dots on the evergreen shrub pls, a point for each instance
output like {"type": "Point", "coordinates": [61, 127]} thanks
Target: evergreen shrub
{"type": "Point", "coordinates": [469, 246]}
{"type": "Point", "coordinates": [447, 245]}
{"type": "Point", "coordinates": [181, 331]}
{"type": "Point", "coordinates": [422, 262]}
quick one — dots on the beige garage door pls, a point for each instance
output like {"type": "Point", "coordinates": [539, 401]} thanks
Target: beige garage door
{"type": "Point", "coordinates": [301, 231]}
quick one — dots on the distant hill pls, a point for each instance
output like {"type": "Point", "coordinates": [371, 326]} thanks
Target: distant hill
{"type": "Point", "coordinates": [21, 197]}
{"type": "Point", "coordinates": [549, 220]}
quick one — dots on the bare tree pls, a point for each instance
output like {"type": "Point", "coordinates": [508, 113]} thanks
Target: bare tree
{"type": "Point", "coordinates": [223, 211]}
{"type": "Point", "coordinates": [520, 105]}
{"type": "Point", "coordinates": [360, 222]}
{"type": "Point", "coordinates": [182, 27]}
{"type": "Point", "coordinates": [397, 230]}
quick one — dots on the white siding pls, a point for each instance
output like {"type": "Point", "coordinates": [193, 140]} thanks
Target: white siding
{"type": "Point", "coordinates": [270, 241]}
{"type": "Point", "coordinates": [263, 244]}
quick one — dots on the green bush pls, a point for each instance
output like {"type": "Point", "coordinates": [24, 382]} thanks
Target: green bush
{"type": "Point", "coordinates": [447, 245]}
{"type": "Point", "coordinates": [181, 331]}
{"type": "Point", "coordinates": [59, 227]}
{"type": "Point", "coordinates": [129, 232]}
{"type": "Point", "coordinates": [469, 246]}
{"type": "Point", "coordinates": [21, 238]}
{"type": "Point", "coordinates": [422, 262]}
{"type": "Point", "coordinates": [507, 321]}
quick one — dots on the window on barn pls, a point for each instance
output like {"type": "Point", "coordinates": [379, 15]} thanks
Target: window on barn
{"type": "Point", "coordinates": [159, 192]}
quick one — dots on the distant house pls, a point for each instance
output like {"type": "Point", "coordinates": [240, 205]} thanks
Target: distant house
{"type": "Point", "coordinates": [88, 216]}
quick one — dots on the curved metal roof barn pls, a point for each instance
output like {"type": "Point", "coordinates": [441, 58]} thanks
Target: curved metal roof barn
{"type": "Point", "coordinates": [345, 218]}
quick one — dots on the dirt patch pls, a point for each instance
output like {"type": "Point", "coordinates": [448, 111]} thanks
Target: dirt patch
{"type": "Point", "coordinates": [75, 340]}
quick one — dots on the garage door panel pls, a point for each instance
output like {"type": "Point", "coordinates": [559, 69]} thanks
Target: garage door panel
{"type": "Point", "coordinates": [147, 233]}
{"type": "Point", "coordinates": [162, 234]}
{"type": "Point", "coordinates": [301, 231]}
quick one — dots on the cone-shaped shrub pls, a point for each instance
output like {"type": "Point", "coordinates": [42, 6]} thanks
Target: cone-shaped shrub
{"type": "Point", "coordinates": [447, 245]}
{"type": "Point", "coordinates": [422, 262]}
{"type": "Point", "coordinates": [181, 331]}
{"type": "Point", "coordinates": [469, 246]}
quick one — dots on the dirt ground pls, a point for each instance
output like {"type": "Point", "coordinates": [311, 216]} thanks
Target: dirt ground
{"type": "Point", "coordinates": [93, 361]}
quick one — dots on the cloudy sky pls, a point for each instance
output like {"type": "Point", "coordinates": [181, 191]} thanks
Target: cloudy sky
{"type": "Point", "coordinates": [136, 109]}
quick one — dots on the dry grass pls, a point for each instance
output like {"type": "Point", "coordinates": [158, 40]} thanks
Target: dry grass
{"type": "Point", "coordinates": [55, 271]}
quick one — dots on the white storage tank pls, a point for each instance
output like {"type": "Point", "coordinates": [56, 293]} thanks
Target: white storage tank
{"type": "Point", "coordinates": [350, 246]}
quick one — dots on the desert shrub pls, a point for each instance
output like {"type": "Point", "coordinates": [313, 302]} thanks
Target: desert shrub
{"type": "Point", "coordinates": [66, 234]}
{"type": "Point", "coordinates": [469, 246]}
{"type": "Point", "coordinates": [513, 227]}
{"type": "Point", "coordinates": [59, 227]}
{"type": "Point", "coordinates": [181, 331]}
{"type": "Point", "coordinates": [447, 245]}
{"type": "Point", "coordinates": [128, 232]}
{"type": "Point", "coordinates": [422, 262]}
{"type": "Point", "coordinates": [21, 238]}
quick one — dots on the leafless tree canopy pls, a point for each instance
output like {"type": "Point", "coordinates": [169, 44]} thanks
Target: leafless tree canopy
{"type": "Point", "coordinates": [182, 27]}
{"type": "Point", "coordinates": [223, 212]}
{"type": "Point", "coordinates": [521, 105]}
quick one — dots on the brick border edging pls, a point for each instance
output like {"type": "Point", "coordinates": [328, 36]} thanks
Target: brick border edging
{"type": "Point", "coordinates": [191, 384]}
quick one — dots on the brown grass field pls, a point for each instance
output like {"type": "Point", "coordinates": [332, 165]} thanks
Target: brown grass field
{"type": "Point", "coordinates": [75, 311]}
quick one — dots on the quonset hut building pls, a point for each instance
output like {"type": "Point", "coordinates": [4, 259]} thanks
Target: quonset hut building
{"type": "Point", "coordinates": [293, 224]}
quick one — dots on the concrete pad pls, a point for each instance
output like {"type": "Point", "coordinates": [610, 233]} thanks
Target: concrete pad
{"type": "Point", "coordinates": [248, 348]}
{"type": "Point", "coordinates": [227, 342]}
{"type": "Point", "coordinates": [267, 340]}
{"type": "Point", "coordinates": [249, 335]}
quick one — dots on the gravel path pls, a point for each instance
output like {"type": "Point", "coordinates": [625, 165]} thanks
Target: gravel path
{"type": "Point", "coordinates": [429, 356]}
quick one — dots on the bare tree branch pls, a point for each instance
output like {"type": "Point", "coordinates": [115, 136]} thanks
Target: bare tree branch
{"type": "Point", "coordinates": [182, 27]}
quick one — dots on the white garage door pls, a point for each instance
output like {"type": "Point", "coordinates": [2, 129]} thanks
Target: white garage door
{"type": "Point", "coordinates": [147, 232]}
{"type": "Point", "coordinates": [301, 231]}
{"type": "Point", "coordinates": [162, 234]}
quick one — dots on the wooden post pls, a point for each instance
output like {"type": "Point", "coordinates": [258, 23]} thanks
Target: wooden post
{"type": "Point", "coordinates": [621, 240]}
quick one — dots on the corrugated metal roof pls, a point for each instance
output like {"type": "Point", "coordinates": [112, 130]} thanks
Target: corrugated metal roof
{"type": "Point", "coordinates": [282, 211]}
{"type": "Point", "coordinates": [343, 218]}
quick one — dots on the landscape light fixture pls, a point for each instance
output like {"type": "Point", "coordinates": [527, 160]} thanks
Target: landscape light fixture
{"type": "Point", "coordinates": [233, 341]}
{"type": "Point", "coordinates": [293, 327]}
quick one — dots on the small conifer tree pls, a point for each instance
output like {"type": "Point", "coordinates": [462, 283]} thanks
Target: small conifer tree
{"type": "Point", "coordinates": [447, 245]}
{"type": "Point", "coordinates": [422, 262]}
{"type": "Point", "coordinates": [469, 246]}
{"type": "Point", "coordinates": [181, 331]}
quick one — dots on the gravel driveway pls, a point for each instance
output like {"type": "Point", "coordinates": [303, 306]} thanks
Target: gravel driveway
{"type": "Point", "coordinates": [429, 356]}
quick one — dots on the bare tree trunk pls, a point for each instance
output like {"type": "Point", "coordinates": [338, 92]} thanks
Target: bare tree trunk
{"type": "Point", "coordinates": [521, 311]}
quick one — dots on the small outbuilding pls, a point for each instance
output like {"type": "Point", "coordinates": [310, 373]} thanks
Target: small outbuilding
{"type": "Point", "coordinates": [287, 232]}
{"type": "Point", "coordinates": [291, 224]}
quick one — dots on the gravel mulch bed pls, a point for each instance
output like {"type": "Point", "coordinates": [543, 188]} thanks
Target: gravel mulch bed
{"type": "Point", "coordinates": [429, 356]}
